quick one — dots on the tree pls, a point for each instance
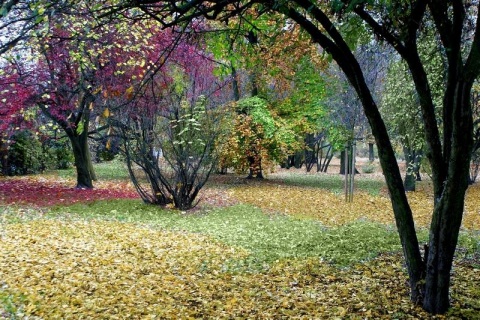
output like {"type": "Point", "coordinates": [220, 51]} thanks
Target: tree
{"type": "Point", "coordinates": [169, 132]}
{"type": "Point", "coordinates": [300, 103]}
{"type": "Point", "coordinates": [256, 139]}
{"type": "Point", "coordinates": [75, 70]}
{"type": "Point", "coordinates": [398, 24]}
{"type": "Point", "coordinates": [400, 104]}
{"type": "Point", "coordinates": [23, 19]}
{"type": "Point", "coordinates": [400, 109]}
{"type": "Point", "coordinates": [475, 168]}
{"type": "Point", "coordinates": [348, 122]}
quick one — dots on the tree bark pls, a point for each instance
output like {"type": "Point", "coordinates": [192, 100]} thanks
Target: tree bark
{"type": "Point", "coordinates": [411, 168]}
{"type": "Point", "coordinates": [449, 206]}
{"type": "Point", "coordinates": [341, 53]}
{"type": "Point", "coordinates": [83, 162]}
{"type": "Point", "coordinates": [371, 154]}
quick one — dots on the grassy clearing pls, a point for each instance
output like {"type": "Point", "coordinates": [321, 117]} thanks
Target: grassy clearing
{"type": "Point", "coordinates": [254, 259]}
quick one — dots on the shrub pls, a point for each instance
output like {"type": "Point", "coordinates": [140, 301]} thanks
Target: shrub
{"type": "Point", "coordinates": [369, 168]}
{"type": "Point", "coordinates": [25, 154]}
{"type": "Point", "coordinates": [170, 155]}
{"type": "Point", "coordinates": [62, 155]}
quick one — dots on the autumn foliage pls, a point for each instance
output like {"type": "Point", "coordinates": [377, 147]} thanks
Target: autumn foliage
{"type": "Point", "coordinates": [46, 192]}
{"type": "Point", "coordinates": [257, 138]}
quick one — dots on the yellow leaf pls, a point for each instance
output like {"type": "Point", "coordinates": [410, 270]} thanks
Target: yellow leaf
{"type": "Point", "coordinates": [129, 92]}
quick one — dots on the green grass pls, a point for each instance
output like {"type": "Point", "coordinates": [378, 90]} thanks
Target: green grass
{"type": "Point", "coordinates": [334, 183]}
{"type": "Point", "coordinates": [268, 238]}
{"type": "Point", "coordinates": [111, 170]}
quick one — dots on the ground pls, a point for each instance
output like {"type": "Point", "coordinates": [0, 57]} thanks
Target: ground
{"type": "Point", "coordinates": [286, 247]}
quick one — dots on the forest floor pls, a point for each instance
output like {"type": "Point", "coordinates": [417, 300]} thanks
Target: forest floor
{"type": "Point", "coordinates": [285, 247]}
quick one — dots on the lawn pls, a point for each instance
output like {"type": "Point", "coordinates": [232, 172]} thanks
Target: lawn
{"type": "Point", "coordinates": [287, 247]}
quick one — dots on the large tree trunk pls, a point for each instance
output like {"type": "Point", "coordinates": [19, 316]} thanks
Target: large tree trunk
{"type": "Point", "coordinates": [83, 161]}
{"type": "Point", "coordinates": [449, 203]}
{"type": "Point", "coordinates": [402, 211]}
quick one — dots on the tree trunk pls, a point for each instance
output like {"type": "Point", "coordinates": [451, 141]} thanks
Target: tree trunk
{"type": "Point", "coordinates": [342, 162]}
{"type": "Point", "coordinates": [412, 168]}
{"type": "Point", "coordinates": [298, 159]}
{"type": "Point", "coordinates": [343, 165]}
{"type": "Point", "coordinates": [255, 168]}
{"type": "Point", "coordinates": [402, 211]}
{"type": "Point", "coordinates": [4, 157]}
{"type": "Point", "coordinates": [310, 154]}
{"type": "Point", "coordinates": [371, 154]}
{"type": "Point", "coordinates": [83, 162]}
{"type": "Point", "coordinates": [449, 204]}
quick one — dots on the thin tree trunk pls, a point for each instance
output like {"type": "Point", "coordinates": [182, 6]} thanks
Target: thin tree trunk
{"type": "Point", "coordinates": [343, 165]}
{"type": "Point", "coordinates": [342, 162]}
{"type": "Point", "coordinates": [310, 155]}
{"type": "Point", "coordinates": [410, 172]}
{"type": "Point", "coordinates": [371, 154]}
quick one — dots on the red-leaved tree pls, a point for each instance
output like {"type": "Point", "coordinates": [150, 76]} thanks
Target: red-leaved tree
{"type": "Point", "coordinates": [77, 71]}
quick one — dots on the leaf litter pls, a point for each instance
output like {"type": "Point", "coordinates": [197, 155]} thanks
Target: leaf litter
{"type": "Point", "coordinates": [332, 210]}
{"type": "Point", "coordinates": [55, 269]}
{"type": "Point", "coordinates": [113, 270]}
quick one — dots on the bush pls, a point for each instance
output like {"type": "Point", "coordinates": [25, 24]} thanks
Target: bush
{"type": "Point", "coordinates": [369, 168]}
{"type": "Point", "coordinates": [61, 155]}
{"type": "Point", "coordinates": [25, 154]}
{"type": "Point", "coordinates": [170, 156]}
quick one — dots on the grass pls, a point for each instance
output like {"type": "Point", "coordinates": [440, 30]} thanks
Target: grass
{"type": "Point", "coordinates": [112, 170]}
{"type": "Point", "coordinates": [267, 238]}
{"type": "Point", "coordinates": [334, 183]}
